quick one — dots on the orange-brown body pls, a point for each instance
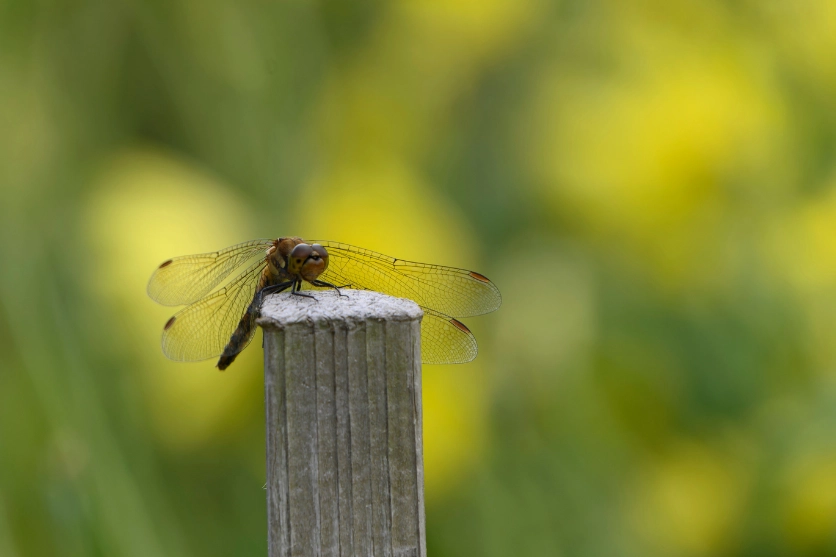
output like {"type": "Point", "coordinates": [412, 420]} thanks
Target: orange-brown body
{"type": "Point", "coordinates": [289, 262]}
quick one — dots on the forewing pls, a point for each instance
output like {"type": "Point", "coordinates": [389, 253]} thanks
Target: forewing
{"type": "Point", "coordinates": [184, 280]}
{"type": "Point", "coordinates": [203, 329]}
{"type": "Point", "coordinates": [445, 340]}
{"type": "Point", "coordinates": [447, 290]}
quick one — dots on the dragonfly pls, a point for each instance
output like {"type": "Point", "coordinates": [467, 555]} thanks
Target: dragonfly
{"type": "Point", "coordinates": [223, 292]}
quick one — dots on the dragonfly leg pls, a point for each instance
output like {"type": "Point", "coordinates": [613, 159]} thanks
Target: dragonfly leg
{"type": "Point", "coordinates": [324, 284]}
{"type": "Point", "coordinates": [297, 286]}
{"type": "Point", "coordinates": [272, 289]}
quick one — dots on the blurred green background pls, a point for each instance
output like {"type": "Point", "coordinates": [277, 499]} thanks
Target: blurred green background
{"type": "Point", "coordinates": [651, 183]}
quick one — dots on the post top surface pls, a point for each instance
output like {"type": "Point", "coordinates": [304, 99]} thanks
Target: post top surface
{"type": "Point", "coordinates": [281, 310]}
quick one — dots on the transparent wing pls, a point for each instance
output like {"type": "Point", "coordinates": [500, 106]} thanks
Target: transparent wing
{"type": "Point", "coordinates": [445, 340]}
{"type": "Point", "coordinates": [203, 329]}
{"type": "Point", "coordinates": [447, 290]}
{"type": "Point", "coordinates": [184, 280]}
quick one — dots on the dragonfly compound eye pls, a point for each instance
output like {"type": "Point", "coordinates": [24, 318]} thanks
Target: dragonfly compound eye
{"type": "Point", "coordinates": [297, 258]}
{"type": "Point", "coordinates": [322, 253]}
{"type": "Point", "coordinates": [315, 264]}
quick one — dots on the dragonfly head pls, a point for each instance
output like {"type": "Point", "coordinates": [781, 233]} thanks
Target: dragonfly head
{"type": "Point", "coordinates": [308, 261]}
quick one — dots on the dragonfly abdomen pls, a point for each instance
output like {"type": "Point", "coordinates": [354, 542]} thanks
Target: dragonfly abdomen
{"type": "Point", "coordinates": [241, 336]}
{"type": "Point", "coordinates": [245, 330]}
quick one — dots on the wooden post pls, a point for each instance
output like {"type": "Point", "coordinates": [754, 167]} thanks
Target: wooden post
{"type": "Point", "coordinates": [345, 471]}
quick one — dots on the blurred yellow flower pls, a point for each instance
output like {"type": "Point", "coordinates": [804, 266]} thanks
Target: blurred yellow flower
{"type": "Point", "coordinates": [690, 501]}
{"type": "Point", "coordinates": [805, 30]}
{"type": "Point", "coordinates": [148, 206]}
{"type": "Point", "coordinates": [640, 158]}
{"type": "Point", "coordinates": [810, 504]}
{"type": "Point", "coordinates": [800, 251]}
{"type": "Point", "coordinates": [393, 97]}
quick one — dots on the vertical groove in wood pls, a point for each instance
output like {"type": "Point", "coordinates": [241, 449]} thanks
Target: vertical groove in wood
{"type": "Point", "coordinates": [358, 403]}
{"type": "Point", "coordinates": [343, 455]}
{"type": "Point", "coordinates": [345, 471]}
{"type": "Point", "coordinates": [278, 522]}
{"type": "Point", "coordinates": [303, 481]}
{"type": "Point", "coordinates": [403, 480]}
{"type": "Point", "coordinates": [378, 437]}
{"type": "Point", "coordinates": [326, 416]}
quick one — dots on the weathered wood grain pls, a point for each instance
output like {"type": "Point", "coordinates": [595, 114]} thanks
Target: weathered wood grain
{"type": "Point", "coordinates": [343, 407]}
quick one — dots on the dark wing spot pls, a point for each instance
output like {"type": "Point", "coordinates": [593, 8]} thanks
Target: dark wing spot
{"type": "Point", "coordinates": [169, 323]}
{"type": "Point", "coordinates": [166, 263]}
{"type": "Point", "coordinates": [477, 276]}
{"type": "Point", "coordinates": [459, 325]}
